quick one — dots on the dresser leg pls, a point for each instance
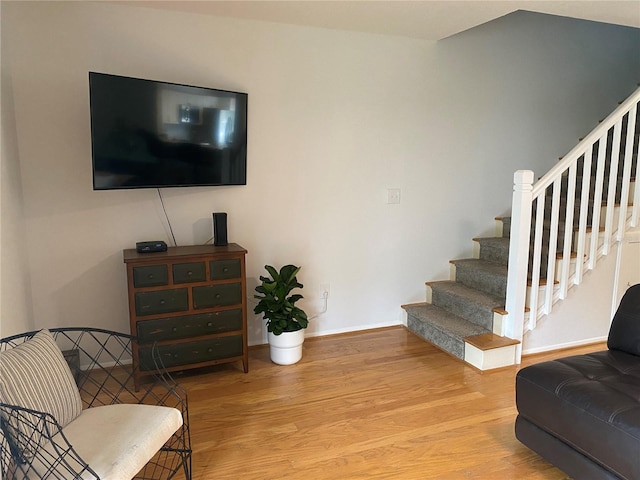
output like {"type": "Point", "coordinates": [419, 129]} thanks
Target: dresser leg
{"type": "Point", "coordinates": [136, 381]}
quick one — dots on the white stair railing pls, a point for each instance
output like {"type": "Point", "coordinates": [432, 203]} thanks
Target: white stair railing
{"type": "Point", "coordinates": [551, 224]}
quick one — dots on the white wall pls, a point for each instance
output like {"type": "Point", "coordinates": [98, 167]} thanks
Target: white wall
{"type": "Point", "coordinates": [583, 317]}
{"type": "Point", "coordinates": [335, 118]}
{"type": "Point", "coordinates": [15, 290]}
{"type": "Point", "coordinates": [592, 305]}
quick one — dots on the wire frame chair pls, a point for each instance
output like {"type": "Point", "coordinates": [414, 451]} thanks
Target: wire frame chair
{"type": "Point", "coordinates": [101, 363]}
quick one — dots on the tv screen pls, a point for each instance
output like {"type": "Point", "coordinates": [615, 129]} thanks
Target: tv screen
{"type": "Point", "coordinates": [150, 134]}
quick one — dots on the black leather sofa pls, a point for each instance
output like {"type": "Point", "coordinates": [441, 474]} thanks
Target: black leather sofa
{"type": "Point", "coordinates": [582, 413]}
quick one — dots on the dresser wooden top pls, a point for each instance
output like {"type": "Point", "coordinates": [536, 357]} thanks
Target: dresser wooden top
{"type": "Point", "coordinates": [131, 255]}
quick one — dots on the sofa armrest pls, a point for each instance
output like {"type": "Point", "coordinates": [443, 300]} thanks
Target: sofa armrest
{"type": "Point", "coordinates": [624, 334]}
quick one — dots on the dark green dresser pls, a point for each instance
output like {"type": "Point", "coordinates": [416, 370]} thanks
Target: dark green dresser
{"type": "Point", "coordinates": [191, 302]}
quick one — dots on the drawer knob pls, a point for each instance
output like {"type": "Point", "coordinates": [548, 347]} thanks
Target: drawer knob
{"type": "Point", "coordinates": [150, 276]}
{"type": "Point", "coordinates": [210, 324]}
{"type": "Point", "coordinates": [225, 269]}
{"type": "Point", "coordinates": [175, 355]}
{"type": "Point", "coordinates": [217, 295]}
{"type": "Point", "coordinates": [162, 302]}
{"type": "Point", "coordinates": [210, 350]}
{"type": "Point", "coordinates": [175, 329]}
{"type": "Point", "coordinates": [189, 273]}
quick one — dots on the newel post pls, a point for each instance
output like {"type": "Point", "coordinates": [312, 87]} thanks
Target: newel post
{"type": "Point", "coordinates": [518, 256]}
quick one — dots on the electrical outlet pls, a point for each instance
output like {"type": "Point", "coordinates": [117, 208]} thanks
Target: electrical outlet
{"type": "Point", "coordinates": [325, 289]}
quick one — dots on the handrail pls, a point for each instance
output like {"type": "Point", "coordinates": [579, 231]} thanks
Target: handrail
{"type": "Point", "coordinates": [560, 217]}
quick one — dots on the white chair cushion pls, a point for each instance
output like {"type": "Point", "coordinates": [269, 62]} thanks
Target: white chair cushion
{"type": "Point", "coordinates": [116, 441]}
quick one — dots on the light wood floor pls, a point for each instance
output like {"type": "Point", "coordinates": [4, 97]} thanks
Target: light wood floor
{"type": "Point", "coordinates": [381, 404]}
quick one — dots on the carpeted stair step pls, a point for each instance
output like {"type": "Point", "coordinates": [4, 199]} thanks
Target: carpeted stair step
{"type": "Point", "coordinates": [494, 249]}
{"type": "Point", "coordinates": [465, 302]}
{"type": "Point", "coordinates": [486, 276]}
{"type": "Point", "coordinates": [441, 328]}
{"type": "Point", "coordinates": [505, 225]}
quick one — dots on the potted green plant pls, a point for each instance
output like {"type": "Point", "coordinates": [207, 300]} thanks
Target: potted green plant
{"type": "Point", "coordinates": [285, 321]}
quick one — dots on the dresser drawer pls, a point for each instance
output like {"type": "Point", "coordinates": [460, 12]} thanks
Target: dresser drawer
{"type": "Point", "coordinates": [224, 269]}
{"type": "Point", "coordinates": [151, 276]}
{"type": "Point", "coordinates": [189, 272]}
{"type": "Point", "coordinates": [162, 301]}
{"type": "Point", "coordinates": [217, 295]}
{"type": "Point", "coordinates": [159, 329]}
{"type": "Point", "coordinates": [192, 352]}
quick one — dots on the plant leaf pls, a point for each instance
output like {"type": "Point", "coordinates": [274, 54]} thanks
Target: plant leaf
{"type": "Point", "coordinates": [273, 272]}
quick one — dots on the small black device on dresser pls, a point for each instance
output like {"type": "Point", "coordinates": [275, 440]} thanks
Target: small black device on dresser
{"type": "Point", "coordinates": [220, 229]}
{"type": "Point", "coordinates": [149, 247]}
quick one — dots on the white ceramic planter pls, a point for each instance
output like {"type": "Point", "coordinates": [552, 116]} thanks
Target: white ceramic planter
{"type": "Point", "coordinates": [286, 348]}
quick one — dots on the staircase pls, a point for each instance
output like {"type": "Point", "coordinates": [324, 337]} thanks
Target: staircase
{"type": "Point", "coordinates": [462, 316]}
{"type": "Point", "coordinates": [592, 189]}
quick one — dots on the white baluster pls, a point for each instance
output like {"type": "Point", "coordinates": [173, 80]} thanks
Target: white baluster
{"type": "Point", "coordinates": [553, 246]}
{"type": "Point", "coordinates": [584, 210]}
{"type": "Point", "coordinates": [537, 261]}
{"type": "Point", "coordinates": [613, 181]}
{"type": "Point", "coordinates": [568, 231]}
{"type": "Point", "coordinates": [626, 173]}
{"type": "Point", "coordinates": [597, 202]}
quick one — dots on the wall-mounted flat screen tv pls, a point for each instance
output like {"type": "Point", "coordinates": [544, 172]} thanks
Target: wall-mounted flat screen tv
{"type": "Point", "coordinates": [151, 134]}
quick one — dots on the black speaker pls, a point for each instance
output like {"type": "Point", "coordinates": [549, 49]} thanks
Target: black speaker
{"type": "Point", "coordinates": [220, 229]}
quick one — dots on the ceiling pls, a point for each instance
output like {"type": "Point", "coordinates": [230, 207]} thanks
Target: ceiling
{"type": "Point", "coordinates": [423, 19]}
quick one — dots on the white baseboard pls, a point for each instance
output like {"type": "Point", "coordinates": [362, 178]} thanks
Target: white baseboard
{"type": "Point", "coordinates": [560, 346]}
{"type": "Point", "coordinates": [356, 329]}
{"type": "Point", "coordinates": [337, 331]}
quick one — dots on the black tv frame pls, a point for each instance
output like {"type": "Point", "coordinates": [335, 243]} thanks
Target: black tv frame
{"type": "Point", "coordinates": [155, 145]}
